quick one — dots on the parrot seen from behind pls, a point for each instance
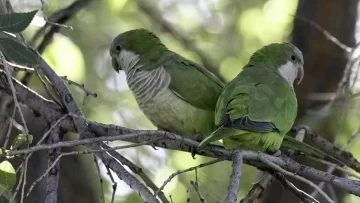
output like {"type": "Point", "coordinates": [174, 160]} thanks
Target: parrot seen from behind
{"type": "Point", "coordinates": [259, 106]}
{"type": "Point", "coordinates": [174, 93]}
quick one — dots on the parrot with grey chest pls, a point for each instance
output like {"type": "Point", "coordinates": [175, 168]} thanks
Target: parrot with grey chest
{"type": "Point", "coordinates": [174, 93]}
{"type": "Point", "coordinates": [179, 96]}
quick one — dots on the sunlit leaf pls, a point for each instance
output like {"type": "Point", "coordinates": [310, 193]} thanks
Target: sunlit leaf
{"type": "Point", "coordinates": [18, 53]}
{"type": "Point", "coordinates": [21, 141]}
{"type": "Point", "coordinates": [7, 176]}
{"type": "Point", "coordinates": [16, 22]}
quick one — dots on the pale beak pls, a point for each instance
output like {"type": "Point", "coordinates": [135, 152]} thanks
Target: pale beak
{"type": "Point", "coordinates": [115, 64]}
{"type": "Point", "coordinates": [300, 75]}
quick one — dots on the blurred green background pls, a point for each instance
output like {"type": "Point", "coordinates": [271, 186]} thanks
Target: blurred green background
{"type": "Point", "coordinates": [219, 34]}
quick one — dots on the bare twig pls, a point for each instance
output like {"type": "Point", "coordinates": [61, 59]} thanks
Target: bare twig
{"type": "Point", "coordinates": [137, 170]}
{"type": "Point", "coordinates": [81, 86]}
{"type": "Point", "coordinates": [21, 178]}
{"type": "Point", "coordinates": [58, 18]}
{"type": "Point", "coordinates": [6, 68]}
{"type": "Point", "coordinates": [52, 127]}
{"type": "Point", "coordinates": [78, 153]}
{"type": "Point", "coordinates": [278, 168]}
{"type": "Point", "coordinates": [257, 190]}
{"type": "Point", "coordinates": [344, 170]}
{"type": "Point", "coordinates": [17, 67]}
{"type": "Point", "coordinates": [327, 34]}
{"type": "Point", "coordinates": [52, 23]}
{"type": "Point", "coordinates": [102, 198]}
{"type": "Point", "coordinates": [341, 154]}
{"type": "Point", "coordinates": [79, 142]}
{"type": "Point", "coordinates": [38, 144]}
{"type": "Point", "coordinates": [186, 170]}
{"type": "Point", "coordinates": [195, 185]}
{"type": "Point", "coordinates": [332, 192]}
{"type": "Point", "coordinates": [26, 131]}
{"type": "Point", "coordinates": [346, 156]}
{"type": "Point", "coordinates": [233, 188]}
{"type": "Point", "coordinates": [171, 199]}
{"type": "Point", "coordinates": [303, 196]}
{"type": "Point", "coordinates": [24, 178]}
{"type": "Point", "coordinates": [9, 129]}
{"type": "Point", "coordinates": [114, 186]}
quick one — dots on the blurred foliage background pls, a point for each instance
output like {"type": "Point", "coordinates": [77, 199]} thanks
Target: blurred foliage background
{"type": "Point", "coordinates": [219, 34]}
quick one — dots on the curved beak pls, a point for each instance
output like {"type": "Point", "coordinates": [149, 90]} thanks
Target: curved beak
{"type": "Point", "coordinates": [115, 64]}
{"type": "Point", "coordinates": [300, 75]}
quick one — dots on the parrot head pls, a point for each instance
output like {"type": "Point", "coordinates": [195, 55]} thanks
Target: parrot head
{"type": "Point", "coordinates": [134, 46]}
{"type": "Point", "coordinates": [286, 58]}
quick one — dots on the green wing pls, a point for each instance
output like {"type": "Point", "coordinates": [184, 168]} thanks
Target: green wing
{"type": "Point", "coordinates": [193, 83]}
{"type": "Point", "coordinates": [258, 100]}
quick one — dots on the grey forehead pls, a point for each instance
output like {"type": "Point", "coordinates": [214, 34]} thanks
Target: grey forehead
{"type": "Point", "coordinates": [298, 53]}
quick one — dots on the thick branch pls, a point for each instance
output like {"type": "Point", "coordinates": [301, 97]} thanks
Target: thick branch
{"type": "Point", "coordinates": [51, 112]}
{"type": "Point", "coordinates": [52, 182]}
{"type": "Point", "coordinates": [179, 143]}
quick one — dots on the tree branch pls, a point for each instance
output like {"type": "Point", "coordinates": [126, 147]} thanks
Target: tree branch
{"type": "Point", "coordinates": [274, 166]}
{"type": "Point", "coordinates": [303, 196]}
{"type": "Point", "coordinates": [52, 181]}
{"type": "Point", "coordinates": [233, 188]}
{"type": "Point", "coordinates": [50, 111]}
{"type": "Point", "coordinates": [85, 132]}
{"type": "Point", "coordinates": [60, 17]}
{"type": "Point", "coordinates": [137, 170]}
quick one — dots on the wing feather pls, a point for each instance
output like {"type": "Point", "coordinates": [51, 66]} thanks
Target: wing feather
{"type": "Point", "coordinates": [193, 83]}
{"type": "Point", "coordinates": [256, 103]}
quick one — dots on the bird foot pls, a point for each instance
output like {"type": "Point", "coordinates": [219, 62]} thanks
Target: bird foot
{"type": "Point", "coordinates": [277, 153]}
{"type": "Point", "coordinates": [153, 146]}
{"type": "Point", "coordinates": [301, 127]}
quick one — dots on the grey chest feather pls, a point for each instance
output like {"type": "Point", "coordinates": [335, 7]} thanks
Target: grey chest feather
{"type": "Point", "coordinates": [148, 85]}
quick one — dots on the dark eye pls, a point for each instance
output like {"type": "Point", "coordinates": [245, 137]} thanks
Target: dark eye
{"type": "Point", "coordinates": [293, 58]}
{"type": "Point", "coordinates": [118, 47]}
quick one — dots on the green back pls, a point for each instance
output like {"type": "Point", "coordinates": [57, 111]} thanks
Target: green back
{"type": "Point", "coordinates": [192, 82]}
{"type": "Point", "coordinates": [261, 94]}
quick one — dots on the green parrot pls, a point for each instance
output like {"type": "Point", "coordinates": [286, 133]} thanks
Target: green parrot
{"type": "Point", "coordinates": [175, 94]}
{"type": "Point", "coordinates": [258, 107]}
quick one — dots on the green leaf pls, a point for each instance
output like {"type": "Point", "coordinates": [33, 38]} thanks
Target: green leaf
{"type": "Point", "coordinates": [17, 52]}
{"type": "Point", "coordinates": [7, 176]}
{"type": "Point", "coordinates": [16, 22]}
{"type": "Point", "coordinates": [21, 141]}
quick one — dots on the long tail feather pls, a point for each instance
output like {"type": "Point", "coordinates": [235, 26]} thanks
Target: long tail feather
{"type": "Point", "coordinates": [218, 134]}
{"type": "Point", "coordinates": [290, 143]}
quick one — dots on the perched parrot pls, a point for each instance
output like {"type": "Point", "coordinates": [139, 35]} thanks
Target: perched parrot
{"type": "Point", "coordinates": [258, 107]}
{"type": "Point", "coordinates": [175, 94]}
